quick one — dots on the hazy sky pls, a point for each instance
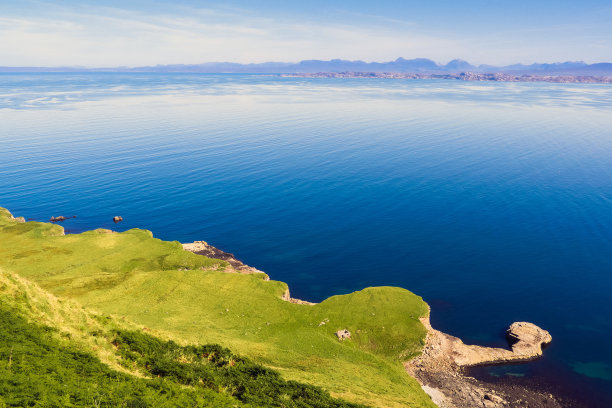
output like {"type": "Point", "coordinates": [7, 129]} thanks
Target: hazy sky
{"type": "Point", "coordinates": [132, 33]}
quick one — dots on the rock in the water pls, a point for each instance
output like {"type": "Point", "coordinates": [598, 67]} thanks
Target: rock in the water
{"type": "Point", "coordinates": [117, 219]}
{"type": "Point", "coordinates": [343, 334]}
{"type": "Point", "coordinates": [61, 218]}
{"type": "Point", "coordinates": [527, 338]}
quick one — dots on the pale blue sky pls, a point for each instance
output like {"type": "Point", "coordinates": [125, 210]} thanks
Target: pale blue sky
{"type": "Point", "coordinates": [131, 33]}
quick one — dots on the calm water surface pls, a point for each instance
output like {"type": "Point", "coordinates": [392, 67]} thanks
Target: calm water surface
{"type": "Point", "coordinates": [491, 200]}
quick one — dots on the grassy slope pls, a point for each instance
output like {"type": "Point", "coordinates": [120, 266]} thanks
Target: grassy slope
{"type": "Point", "coordinates": [189, 299]}
{"type": "Point", "coordinates": [48, 358]}
{"type": "Point", "coordinates": [40, 370]}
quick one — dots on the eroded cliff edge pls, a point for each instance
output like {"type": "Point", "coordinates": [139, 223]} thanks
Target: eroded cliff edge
{"type": "Point", "coordinates": [440, 367]}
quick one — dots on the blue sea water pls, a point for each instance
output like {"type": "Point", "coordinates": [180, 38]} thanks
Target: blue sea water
{"type": "Point", "coordinates": [493, 201]}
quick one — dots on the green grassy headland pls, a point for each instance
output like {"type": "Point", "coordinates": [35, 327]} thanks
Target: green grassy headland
{"type": "Point", "coordinates": [106, 283]}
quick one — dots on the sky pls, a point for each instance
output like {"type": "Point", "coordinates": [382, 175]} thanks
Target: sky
{"type": "Point", "coordinates": [107, 33]}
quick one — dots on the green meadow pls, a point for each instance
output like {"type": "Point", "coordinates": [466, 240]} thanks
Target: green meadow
{"type": "Point", "coordinates": [102, 282]}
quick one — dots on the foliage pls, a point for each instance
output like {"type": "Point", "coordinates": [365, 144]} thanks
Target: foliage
{"type": "Point", "coordinates": [36, 370]}
{"type": "Point", "coordinates": [215, 367]}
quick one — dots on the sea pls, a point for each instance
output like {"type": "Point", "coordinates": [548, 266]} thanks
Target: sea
{"type": "Point", "coordinates": [491, 200]}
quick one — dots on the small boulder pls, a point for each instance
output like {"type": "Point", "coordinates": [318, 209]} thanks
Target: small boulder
{"type": "Point", "coordinates": [117, 219]}
{"type": "Point", "coordinates": [343, 334]}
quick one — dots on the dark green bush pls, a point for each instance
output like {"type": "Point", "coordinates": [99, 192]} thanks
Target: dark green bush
{"type": "Point", "coordinates": [214, 367]}
{"type": "Point", "coordinates": [36, 370]}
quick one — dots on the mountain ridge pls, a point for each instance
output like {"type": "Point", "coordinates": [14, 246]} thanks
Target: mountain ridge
{"type": "Point", "coordinates": [401, 65]}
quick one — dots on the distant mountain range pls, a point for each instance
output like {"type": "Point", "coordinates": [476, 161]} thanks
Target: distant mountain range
{"type": "Point", "coordinates": [417, 65]}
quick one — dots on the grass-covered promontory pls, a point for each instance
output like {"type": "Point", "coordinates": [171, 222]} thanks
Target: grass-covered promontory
{"type": "Point", "coordinates": [161, 289]}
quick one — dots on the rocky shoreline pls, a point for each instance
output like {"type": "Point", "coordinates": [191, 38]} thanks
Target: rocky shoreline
{"type": "Point", "coordinates": [204, 248]}
{"type": "Point", "coordinates": [441, 368]}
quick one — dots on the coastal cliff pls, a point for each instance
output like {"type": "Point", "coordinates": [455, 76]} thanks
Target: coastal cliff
{"type": "Point", "coordinates": [212, 297]}
{"type": "Point", "coordinates": [196, 300]}
{"type": "Point", "coordinates": [439, 368]}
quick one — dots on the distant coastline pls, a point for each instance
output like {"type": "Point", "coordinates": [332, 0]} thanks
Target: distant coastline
{"type": "Point", "coordinates": [464, 76]}
{"type": "Point", "coordinates": [398, 68]}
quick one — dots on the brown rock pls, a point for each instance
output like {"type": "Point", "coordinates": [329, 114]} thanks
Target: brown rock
{"type": "Point", "coordinates": [527, 339]}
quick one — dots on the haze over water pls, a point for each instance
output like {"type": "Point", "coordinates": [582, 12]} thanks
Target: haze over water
{"type": "Point", "coordinates": [493, 201]}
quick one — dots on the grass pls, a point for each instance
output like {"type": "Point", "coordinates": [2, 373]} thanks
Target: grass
{"type": "Point", "coordinates": [189, 299]}
{"type": "Point", "coordinates": [37, 370]}
{"type": "Point", "coordinates": [53, 366]}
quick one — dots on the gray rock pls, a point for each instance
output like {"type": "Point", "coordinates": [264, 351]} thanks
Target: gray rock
{"type": "Point", "coordinates": [343, 334]}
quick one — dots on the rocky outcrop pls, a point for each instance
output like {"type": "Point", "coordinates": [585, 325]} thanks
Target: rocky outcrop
{"type": "Point", "coordinates": [204, 248]}
{"type": "Point", "coordinates": [287, 298]}
{"type": "Point", "coordinates": [527, 339]}
{"type": "Point", "coordinates": [117, 219]}
{"type": "Point", "coordinates": [439, 369]}
{"type": "Point", "coordinates": [60, 218]}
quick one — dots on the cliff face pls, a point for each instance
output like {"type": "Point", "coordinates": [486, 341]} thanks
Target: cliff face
{"type": "Point", "coordinates": [168, 289]}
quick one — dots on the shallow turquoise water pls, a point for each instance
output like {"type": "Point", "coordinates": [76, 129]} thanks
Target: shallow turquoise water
{"type": "Point", "coordinates": [491, 200]}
